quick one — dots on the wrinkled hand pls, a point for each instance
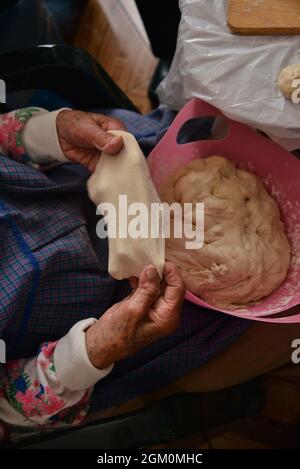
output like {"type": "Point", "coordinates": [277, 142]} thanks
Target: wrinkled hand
{"type": "Point", "coordinates": [84, 135]}
{"type": "Point", "coordinates": [151, 312]}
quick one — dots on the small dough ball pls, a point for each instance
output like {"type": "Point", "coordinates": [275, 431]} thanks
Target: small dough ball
{"type": "Point", "coordinates": [246, 253]}
{"type": "Point", "coordinates": [286, 78]}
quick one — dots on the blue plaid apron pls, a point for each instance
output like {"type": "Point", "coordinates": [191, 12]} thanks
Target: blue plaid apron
{"type": "Point", "coordinates": [53, 273]}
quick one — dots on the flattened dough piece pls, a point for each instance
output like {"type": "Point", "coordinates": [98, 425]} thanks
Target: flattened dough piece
{"type": "Point", "coordinates": [127, 174]}
{"type": "Point", "coordinates": [286, 78]}
{"type": "Point", "coordinates": [246, 254]}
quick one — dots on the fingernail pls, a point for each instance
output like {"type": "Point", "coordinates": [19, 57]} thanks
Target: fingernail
{"type": "Point", "coordinates": [151, 273]}
{"type": "Point", "coordinates": [112, 144]}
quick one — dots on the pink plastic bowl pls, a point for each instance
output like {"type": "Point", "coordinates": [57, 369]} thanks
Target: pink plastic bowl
{"type": "Point", "coordinates": [277, 168]}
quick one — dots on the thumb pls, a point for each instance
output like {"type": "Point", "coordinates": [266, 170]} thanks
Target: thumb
{"type": "Point", "coordinates": [148, 289]}
{"type": "Point", "coordinates": [104, 141]}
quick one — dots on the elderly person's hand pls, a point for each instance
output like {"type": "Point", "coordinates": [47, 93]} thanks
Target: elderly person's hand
{"type": "Point", "coordinates": [150, 313]}
{"type": "Point", "coordinates": [84, 135]}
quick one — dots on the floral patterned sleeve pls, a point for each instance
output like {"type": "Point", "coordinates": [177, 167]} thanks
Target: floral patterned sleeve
{"type": "Point", "coordinates": [31, 394]}
{"type": "Point", "coordinates": [11, 128]}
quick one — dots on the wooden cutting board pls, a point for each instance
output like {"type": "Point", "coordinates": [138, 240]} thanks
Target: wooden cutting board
{"type": "Point", "coordinates": [264, 16]}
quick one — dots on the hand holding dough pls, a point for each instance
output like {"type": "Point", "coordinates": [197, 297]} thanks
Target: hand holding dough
{"type": "Point", "coordinates": [246, 254]}
{"type": "Point", "coordinates": [127, 174]}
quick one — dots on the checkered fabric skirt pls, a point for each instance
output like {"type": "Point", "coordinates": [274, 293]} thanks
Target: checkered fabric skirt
{"type": "Point", "coordinates": [53, 273]}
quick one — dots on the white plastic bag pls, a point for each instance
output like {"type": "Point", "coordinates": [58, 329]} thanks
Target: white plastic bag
{"type": "Point", "coordinates": [237, 74]}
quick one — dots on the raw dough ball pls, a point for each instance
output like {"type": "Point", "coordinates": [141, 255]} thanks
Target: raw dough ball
{"type": "Point", "coordinates": [246, 254]}
{"type": "Point", "coordinates": [286, 78]}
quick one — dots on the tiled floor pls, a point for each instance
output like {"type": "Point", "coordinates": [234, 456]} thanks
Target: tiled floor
{"type": "Point", "coordinates": [112, 31]}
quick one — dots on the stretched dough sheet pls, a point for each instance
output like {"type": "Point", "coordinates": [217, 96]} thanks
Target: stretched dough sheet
{"type": "Point", "coordinates": [236, 74]}
{"type": "Point", "coordinates": [127, 174]}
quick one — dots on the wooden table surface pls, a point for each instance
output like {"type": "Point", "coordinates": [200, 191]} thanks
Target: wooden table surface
{"type": "Point", "coordinates": [266, 17]}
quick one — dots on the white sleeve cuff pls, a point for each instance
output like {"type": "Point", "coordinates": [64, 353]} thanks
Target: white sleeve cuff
{"type": "Point", "coordinates": [40, 139]}
{"type": "Point", "coordinates": [73, 367]}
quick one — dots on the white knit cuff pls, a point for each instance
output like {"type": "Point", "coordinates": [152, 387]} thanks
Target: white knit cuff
{"type": "Point", "coordinates": [73, 367]}
{"type": "Point", "coordinates": [40, 139]}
